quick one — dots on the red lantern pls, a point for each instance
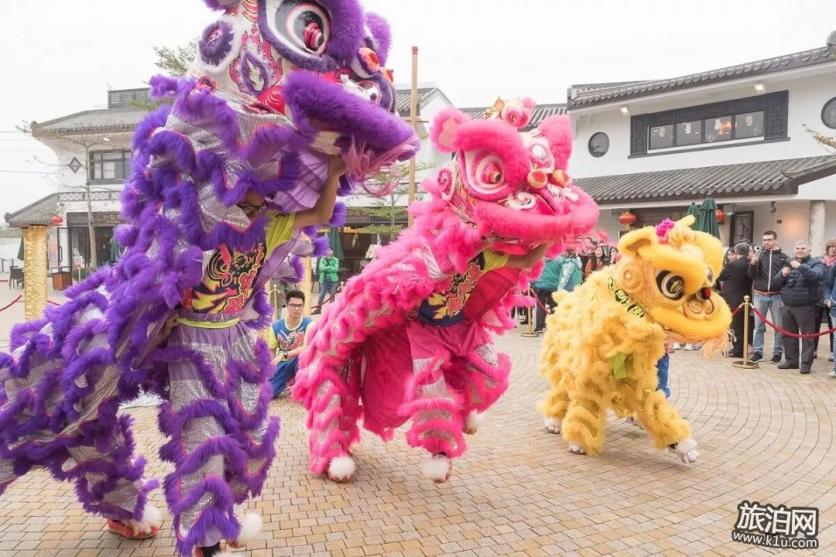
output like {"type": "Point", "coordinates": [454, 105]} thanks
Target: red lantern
{"type": "Point", "coordinates": [56, 220]}
{"type": "Point", "coordinates": [721, 216]}
{"type": "Point", "coordinates": [627, 218]}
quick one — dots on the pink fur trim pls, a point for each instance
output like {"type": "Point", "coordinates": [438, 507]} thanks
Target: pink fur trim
{"type": "Point", "coordinates": [558, 131]}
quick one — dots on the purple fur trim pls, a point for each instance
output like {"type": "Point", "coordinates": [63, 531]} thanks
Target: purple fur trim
{"type": "Point", "coordinates": [216, 42]}
{"type": "Point", "coordinates": [339, 215]}
{"type": "Point", "coordinates": [310, 99]}
{"type": "Point", "coordinates": [298, 268]}
{"type": "Point", "coordinates": [321, 246]}
{"type": "Point", "coordinates": [382, 35]}
{"type": "Point", "coordinates": [163, 86]}
{"type": "Point", "coordinates": [153, 121]}
{"type": "Point", "coordinates": [310, 231]}
{"type": "Point", "coordinates": [222, 4]}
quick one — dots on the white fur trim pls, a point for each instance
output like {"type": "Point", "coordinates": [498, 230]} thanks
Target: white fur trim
{"type": "Point", "coordinates": [473, 422]}
{"type": "Point", "coordinates": [250, 529]}
{"type": "Point", "coordinates": [436, 468]}
{"type": "Point", "coordinates": [687, 451]}
{"type": "Point", "coordinates": [552, 425]}
{"type": "Point", "coordinates": [341, 469]}
{"type": "Point", "coordinates": [577, 449]}
{"type": "Point", "coordinates": [152, 516]}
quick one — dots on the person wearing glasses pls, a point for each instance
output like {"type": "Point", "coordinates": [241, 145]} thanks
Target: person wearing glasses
{"type": "Point", "coordinates": [764, 264]}
{"type": "Point", "coordinates": [286, 338]}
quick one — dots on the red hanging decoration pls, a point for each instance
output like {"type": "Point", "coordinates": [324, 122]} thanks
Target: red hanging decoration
{"type": "Point", "coordinates": [627, 218]}
{"type": "Point", "coordinates": [56, 220]}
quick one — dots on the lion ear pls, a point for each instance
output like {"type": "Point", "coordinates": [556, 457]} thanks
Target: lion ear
{"type": "Point", "coordinates": [444, 131]}
{"type": "Point", "coordinates": [632, 242]}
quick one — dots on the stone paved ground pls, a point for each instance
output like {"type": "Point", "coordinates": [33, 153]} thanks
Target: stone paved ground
{"type": "Point", "coordinates": [765, 435]}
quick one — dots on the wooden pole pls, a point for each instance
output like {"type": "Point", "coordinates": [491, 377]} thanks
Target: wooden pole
{"type": "Point", "coordinates": [413, 120]}
{"type": "Point", "coordinates": [35, 288]}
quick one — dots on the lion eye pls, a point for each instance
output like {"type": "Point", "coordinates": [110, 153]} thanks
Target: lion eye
{"type": "Point", "coordinates": [670, 285]}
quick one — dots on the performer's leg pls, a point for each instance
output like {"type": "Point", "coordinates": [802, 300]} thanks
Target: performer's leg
{"type": "Point", "coordinates": [200, 423]}
{"type": "Point", "coordinates": [481, 376]}
{"type": "Point", "coordinates": [556, 404]}
{"type": "Point", "coordinates": [583, 425]}
{"type": "Point", "coordinates": [332, 421]}
{"type": "Point", "coordinates": [248, 370]}
{"type": "Point", "coordinates": [109, 481]}
{"type": "Point", "coordinates": [434, 408]}
{"type": "Point", "coordinates": [666, 427]}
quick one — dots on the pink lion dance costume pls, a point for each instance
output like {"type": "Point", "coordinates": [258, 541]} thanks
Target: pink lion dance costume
{"type": "Point", "coordinates": [219, 178]}
{"type": "Point", "coordinates": [409, 338]}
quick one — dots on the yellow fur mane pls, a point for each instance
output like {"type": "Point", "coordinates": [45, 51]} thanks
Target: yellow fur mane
{"type": "Point", "coordinates": [604, 339]}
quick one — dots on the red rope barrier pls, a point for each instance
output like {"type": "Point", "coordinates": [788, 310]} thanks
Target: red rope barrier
{"type": "Point", "coordinates": [16, 300]}
{"type": "Point", "coordinates": [737, 310]}
{"type": "Point", "coordinates": [53, 303]}
{"type": "Point", "coordinates": [788, 333]}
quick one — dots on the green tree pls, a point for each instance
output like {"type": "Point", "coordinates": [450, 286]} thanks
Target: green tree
{"type": "Point", "coordinates": [175, 61]}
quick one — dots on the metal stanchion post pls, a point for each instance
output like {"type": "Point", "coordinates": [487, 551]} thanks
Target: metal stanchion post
{"type": "Point", "coordinates": [745, 363]}
{"type": "Point", "coordinates": [531, 317]}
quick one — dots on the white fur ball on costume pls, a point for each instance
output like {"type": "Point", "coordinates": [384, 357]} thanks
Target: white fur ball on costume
{"type": "Point", "coordinates": [250, 529]}
{"type": "Point", "coordinates": [437, 468]}
{"type": "Point", "coordinates": [687, 451]}
{"type": "Point", "coordinates": [341, 469]}
{"type": "Point", "coordinates": [151, 518]}
{"type": "Point", "coordinates": [474, 422]}
{"type": "Point", "coordinates": [552, 425]}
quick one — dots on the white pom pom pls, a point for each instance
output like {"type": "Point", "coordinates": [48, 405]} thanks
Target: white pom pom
{"type": "Point", "coordinates": [474, 422]}
{"type": "Point", "coordinates": [151, 518]}
{"type": "Point", "coordinates": [437, 468]}
{"type": "Point", "coordinates": [341, 469]}
{"type": "Point", "coordinates": [552, 425]}
{"type": "Point", "coordinates": [250, 529]}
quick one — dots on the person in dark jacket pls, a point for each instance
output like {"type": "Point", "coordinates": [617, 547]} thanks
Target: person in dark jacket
{"type": "Point", "coordinates": [735, 283]}
{"type": "Point", "coordinates": [764, 264]}
{"type": "Point", "coordinates": [799, 282]}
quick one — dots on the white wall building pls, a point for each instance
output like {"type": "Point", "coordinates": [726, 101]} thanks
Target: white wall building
{"type": "Point", "coordinates": [735, 134]}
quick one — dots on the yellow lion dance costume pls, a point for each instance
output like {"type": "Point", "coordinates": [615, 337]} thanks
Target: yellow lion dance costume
{"type": "Point", "coordinates": [604, 339]}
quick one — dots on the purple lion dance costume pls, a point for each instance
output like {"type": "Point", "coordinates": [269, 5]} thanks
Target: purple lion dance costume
{"type": "Point", "coordinates": [409, 338]}
{"type": "Point", "coordinates": [224, 182]}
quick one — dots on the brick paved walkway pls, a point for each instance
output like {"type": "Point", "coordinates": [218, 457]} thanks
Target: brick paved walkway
{"type": "Point", "coordinates": [764, 435]}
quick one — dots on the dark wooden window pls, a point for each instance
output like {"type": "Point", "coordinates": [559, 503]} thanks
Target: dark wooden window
{"type": "Point", "coordinates": [763, 116]}
{"type": "Point", "coordinates": [109, 165]}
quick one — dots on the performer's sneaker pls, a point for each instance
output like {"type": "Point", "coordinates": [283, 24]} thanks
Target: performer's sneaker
{"type": "Point", "coordinates": [130, 531]}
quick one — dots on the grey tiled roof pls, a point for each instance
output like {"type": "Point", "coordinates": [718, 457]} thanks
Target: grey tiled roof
{"type": "Point", "coordinates": [40, 212]}
{"type": "Point", "coordinates": [425, 95]}
{"type": "Point", "coordinates": [758, 178]}
{"type": "Point", "coordinates": [540, 113]}
{"type": "Point", "coordinates": [92, 121]}
{"type": "Point", "coordinates": [594, 96]}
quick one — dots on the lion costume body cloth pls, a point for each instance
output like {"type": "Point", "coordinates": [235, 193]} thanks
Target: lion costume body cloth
{"type": "Point", "coordinates": [409, 338]}
{"type": "Point", "coordinates": [277, 88]}
{"type": "Point", "coordinates": [604, 340]}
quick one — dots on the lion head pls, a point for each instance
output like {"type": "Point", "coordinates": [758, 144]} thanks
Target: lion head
{"type": "Point", "coordinates": [512, 186]}
{"type": "Point", "coordinates": [670, 273]}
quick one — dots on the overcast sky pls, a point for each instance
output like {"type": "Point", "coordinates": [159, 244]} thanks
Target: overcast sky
{"type": "Point", "coordinates": [62, 56]}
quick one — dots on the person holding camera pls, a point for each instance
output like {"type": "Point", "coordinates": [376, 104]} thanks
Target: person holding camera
{"type": "Point", "coordinates": [800, 282]}
{"type": "Point", "coordinates": [764, 264]}
{"type": "Point", "coordinates": [735, 283]}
